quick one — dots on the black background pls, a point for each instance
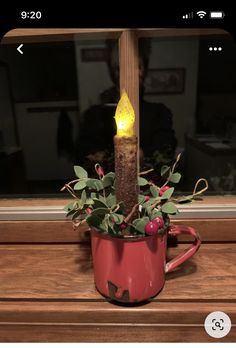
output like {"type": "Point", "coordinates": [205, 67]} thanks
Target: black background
{"type": "Point", "coordinates": [115, 14]}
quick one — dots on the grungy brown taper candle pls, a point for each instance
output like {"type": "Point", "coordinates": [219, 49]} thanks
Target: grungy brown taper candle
{"type": "Point", "coordinates": [125, 142]}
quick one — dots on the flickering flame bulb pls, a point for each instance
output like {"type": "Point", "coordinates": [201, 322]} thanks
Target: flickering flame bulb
{"type": "Point", "coordinates": [125, 117]}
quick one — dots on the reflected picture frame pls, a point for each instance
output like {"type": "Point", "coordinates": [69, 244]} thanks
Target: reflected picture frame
{"type": "Point", "coordinates": [165, 81]}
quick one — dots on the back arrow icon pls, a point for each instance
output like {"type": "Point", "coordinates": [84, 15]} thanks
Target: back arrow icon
{"type": "Point", "coordinates": [19, 49]}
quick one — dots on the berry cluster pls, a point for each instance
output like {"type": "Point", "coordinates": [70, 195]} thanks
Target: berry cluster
{"type": "Point", "coordinates": [153, 226]}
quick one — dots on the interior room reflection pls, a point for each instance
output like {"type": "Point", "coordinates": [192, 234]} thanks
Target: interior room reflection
{"type": "Point", "coordinates": [57, 104]}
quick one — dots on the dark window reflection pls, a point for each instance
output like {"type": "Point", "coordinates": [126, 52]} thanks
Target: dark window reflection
{"type": "Point", "coordinates": [58, 100]}
{"type": "Point", "coordinates": [97, 127]}
{"type": "Point", "coordinates": [95, 141]}
{"type": "Point", "coordinates": [46, 95]}
{"type": "Point", "coordinates": [191, 89]}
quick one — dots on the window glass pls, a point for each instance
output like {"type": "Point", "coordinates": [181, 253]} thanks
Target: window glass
{"type": "Point", "coordinates": [58, 99]}
{"type": "Point", "coordinates": [187, 105]}
{"type": "Point", "coordinates": [55, 110]}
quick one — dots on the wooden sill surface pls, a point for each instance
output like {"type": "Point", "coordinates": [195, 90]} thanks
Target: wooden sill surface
{"type": "Point", "coordinates": [42, 202]}
{"type": "Point", "coordinates": [65, 272]}
{"type": "Point", "coordinates": [47, 294]}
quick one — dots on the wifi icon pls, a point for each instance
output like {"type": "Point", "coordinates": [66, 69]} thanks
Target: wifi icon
{"type": "Point", "coordinates": [201, 14]}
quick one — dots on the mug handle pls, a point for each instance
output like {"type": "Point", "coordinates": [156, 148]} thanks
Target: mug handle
{"type": "Point", "coordinates": [175, 230]}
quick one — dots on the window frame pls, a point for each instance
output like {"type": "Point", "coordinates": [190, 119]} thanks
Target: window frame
{"type": "Point", "coordinates": [128, 41]}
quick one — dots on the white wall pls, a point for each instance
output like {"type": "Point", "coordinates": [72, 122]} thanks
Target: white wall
{"type": "Point", "coordinates": [93, 77]}
{"type": "Point", "coordinates": [39, 140]}
{"type": "Point", "coordinates": [178, 53]}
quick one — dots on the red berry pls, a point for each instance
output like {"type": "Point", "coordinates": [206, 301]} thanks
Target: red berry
{"type": "Point", "coordinates": [123, 226]}
{"type": "Point", "coordinates": [163, 189]}
{"type": "Point", "coordinates": [99, 170]}
{"type": "Point", "coordinates": [160, 221]}
{"type": "Point", "coordinates": [151, 228]}
{"type": "Point", "coordinates": [147, 198]}
{"type": "Point", "coordinates": [88, 211]}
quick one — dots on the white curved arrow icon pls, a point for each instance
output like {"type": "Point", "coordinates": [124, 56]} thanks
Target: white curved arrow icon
{"type": "Point", "coordinates": [19, 49]}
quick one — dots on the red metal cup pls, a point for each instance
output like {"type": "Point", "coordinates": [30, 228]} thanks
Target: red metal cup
{"type": "Point", "coordinates": [133, 270]}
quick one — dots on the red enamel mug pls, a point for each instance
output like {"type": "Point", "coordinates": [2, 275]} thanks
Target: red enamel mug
{"type": "Point", "coordinates": [133, 270]}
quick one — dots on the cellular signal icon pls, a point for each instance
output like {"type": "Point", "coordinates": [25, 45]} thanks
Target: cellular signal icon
{"type": "Point", "coordinates": [201, 14]}
{"type": "Point", "coordinates": [188, 15]}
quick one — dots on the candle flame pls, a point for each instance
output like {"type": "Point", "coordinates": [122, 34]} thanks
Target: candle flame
{"type": "Point", "coordinates": [125, 117]}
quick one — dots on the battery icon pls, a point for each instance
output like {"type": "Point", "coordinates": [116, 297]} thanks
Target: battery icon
{"type": "Point", "coordinates": [217, 14]}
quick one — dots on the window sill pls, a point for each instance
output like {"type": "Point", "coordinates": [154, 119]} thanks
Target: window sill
{"type": "Point", "coordinates": [52, 209]}
{"type": "Point", "coordinates": [43, 220]}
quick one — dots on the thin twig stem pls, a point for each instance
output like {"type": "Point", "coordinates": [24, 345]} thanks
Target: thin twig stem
{"type": "Point", "coordinates": [202, 190]}
{"type": "Point", "coordinates": [172, 170]}
{"type": "Point", "coordinates": [71, 191]}
{"type": "Point", "coordinates": [77, 224]}
{"type": "Point", "coordinates": [69, 183]}
{"type": "Point", "coordinates": [146, 172]}
{"type": "Point", "coordinates": [117, 208]}
{"type": "Point", "coordinates": [130, 215]}
{"type": "Point", "coordinates": [155, 204]}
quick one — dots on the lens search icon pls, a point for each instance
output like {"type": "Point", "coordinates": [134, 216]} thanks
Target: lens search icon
{"type": "Point", "coordinates": [217, 324]}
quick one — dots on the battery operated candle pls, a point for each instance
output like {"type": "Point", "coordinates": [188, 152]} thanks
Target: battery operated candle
{"type": "Point", "coordinates": [125, 142]}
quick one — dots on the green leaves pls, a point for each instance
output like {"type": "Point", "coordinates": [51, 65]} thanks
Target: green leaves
{"type": "Point", "coordinates": [155, 213]}
{"type": "Point", "coordinates": [80, 185]}
{"type": "Point", "coordinates": [142, 181]}
{"type": "Point", "coordinates": [80, 172]}
{"type": "Point", "coordinates": [100, 211]}
{"type": "Point", "coordinates": [111, 200]}
{"type": "Point", "coordinates": [108, 179]}
{"type": "Point", "coordinates": [168, 193]}
{"type": "Point", "coordinates": [175, 178]}
{"type": "Point", "coordinates": [93, 220]}
{"type": "Point", "coordinates": [164, 170]}
{"type": "Point", "coordinates": [89, 201]}
{"type": "Point", "coordinates": [141, 199]}
{"type": "Point", "coordinates": [140, 224]}
{"type": "Point", "coordinates": [117, 218]}
{"type": "Point", "coordinates": [169, 174]}
{"type": "Point", "coordinates": [70, 206]}
{"type": "Point", "coordinates": [83, 197]}
{"type": "Point", "coordinates": [154, 191]}
{"type": "Point", "coordinates": [96, 199]}
{"type": "Point", "coordinates": [169, 208]}
{"type": "Point", "coordinates": [95, 184]}
{"type": "Point", "coordinates": [99, 203]}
